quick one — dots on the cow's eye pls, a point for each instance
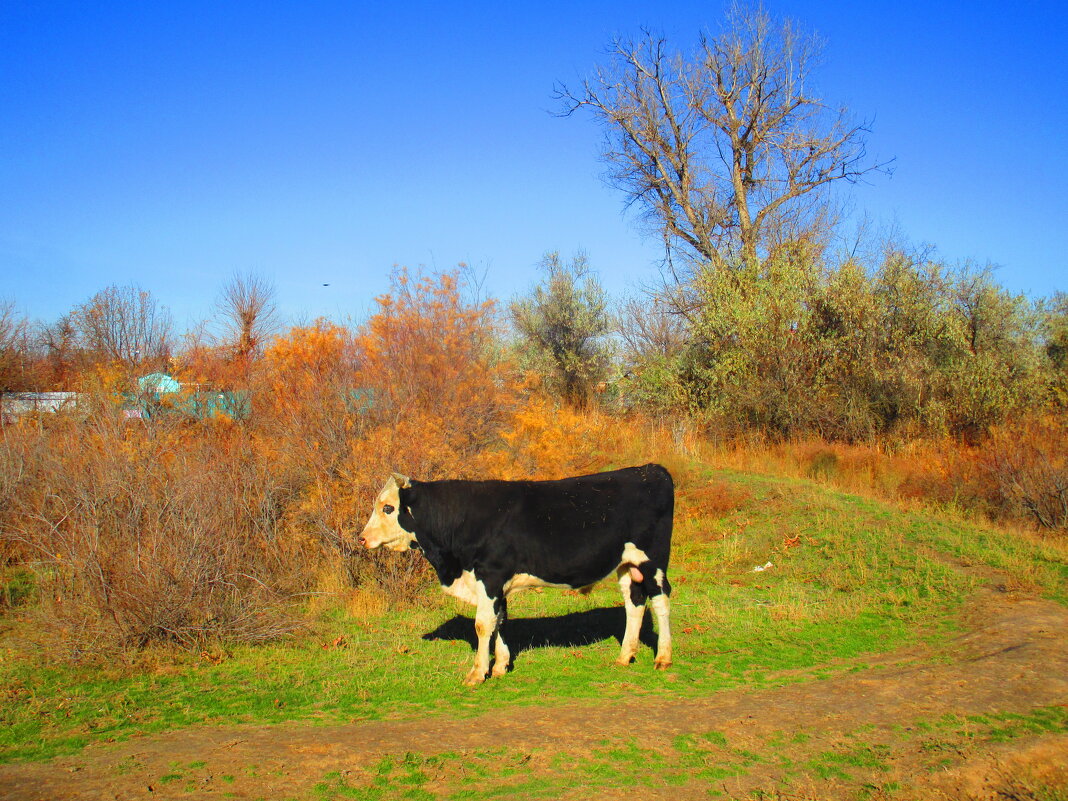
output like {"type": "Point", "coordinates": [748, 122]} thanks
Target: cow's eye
{"type": "Point", "coordinates": [387, 509]}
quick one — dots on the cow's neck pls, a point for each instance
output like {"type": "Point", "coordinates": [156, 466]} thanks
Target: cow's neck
{"type": "Point", "coordinates": [433, 529]}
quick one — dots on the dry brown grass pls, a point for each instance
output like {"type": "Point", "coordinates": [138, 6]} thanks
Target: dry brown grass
{"type": "Point", "coordinates": [714, 500]}
{"type": "Point", "coordinates": [1017, 477]}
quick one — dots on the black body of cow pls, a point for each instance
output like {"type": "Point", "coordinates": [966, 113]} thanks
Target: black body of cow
{"type": "Point", "coordinates": [570, 532]}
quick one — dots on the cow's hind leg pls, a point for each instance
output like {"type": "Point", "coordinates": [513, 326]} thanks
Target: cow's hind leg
{"type": "Point", "coordinates": [634, 603]}
{"type": "Point", "coordinates": [662, 608]}
{"type": "Point", "coordinates": [485, 626]}
{"type": "Point", "coordinates": [501, 655]}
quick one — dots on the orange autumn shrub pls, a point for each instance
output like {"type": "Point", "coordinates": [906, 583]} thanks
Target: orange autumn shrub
{"type": "Point", "coordinates": [546, 439]}
{"type": "Point", "coordinates": [1029, 464]}
{"type": "Point", "coordinates": [439, 389]}
{"type": "Point", "coordinates": [429, 352]}
{"type": "Point", "coordinates": [944, 473]}
{"type": "Point", "coordinates": [306, 358]}
{"type": "Point", "coordinates": [304, 419]}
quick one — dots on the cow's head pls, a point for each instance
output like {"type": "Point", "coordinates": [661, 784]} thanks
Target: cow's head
{"type": "Point", "coordinates": [383, 528]}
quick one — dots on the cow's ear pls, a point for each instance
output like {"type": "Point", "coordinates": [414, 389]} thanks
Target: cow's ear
{"type": "Point", "coordinates": [402, 481]}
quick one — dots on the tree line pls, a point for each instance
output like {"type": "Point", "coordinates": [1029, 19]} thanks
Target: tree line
{"type": "Point", "coordinates": [855, 348]}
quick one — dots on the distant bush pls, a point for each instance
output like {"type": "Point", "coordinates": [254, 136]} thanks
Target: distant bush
{"type": "Point", "coordinates": [563, 325]}
{"type": "Point", "coordinates": [905, 347]}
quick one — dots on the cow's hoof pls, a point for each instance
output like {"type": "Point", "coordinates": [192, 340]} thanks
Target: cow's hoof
{"type": "Point", "coordinates": [499, 671]}
{"type": "Point", "coordinates": [624, 660]}
{"type": "Point", "coordinates": [662, 665]}
{"type": "Point", "coordinates": [474, 678]}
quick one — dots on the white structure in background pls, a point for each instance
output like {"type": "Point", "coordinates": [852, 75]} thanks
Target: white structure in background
{"type": "Point", "coordinates": [14, 404]}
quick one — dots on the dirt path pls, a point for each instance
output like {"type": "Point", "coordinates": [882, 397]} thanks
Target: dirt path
{"type": "Point", "coordinates": [1013, 659]}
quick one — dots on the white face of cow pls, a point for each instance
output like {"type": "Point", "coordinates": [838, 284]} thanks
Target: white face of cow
{"type": "Point", "coordinates": [382, 528]}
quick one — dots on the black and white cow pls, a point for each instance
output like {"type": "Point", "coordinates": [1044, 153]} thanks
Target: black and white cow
{"type": "Point", "coordinates": [488, 539]}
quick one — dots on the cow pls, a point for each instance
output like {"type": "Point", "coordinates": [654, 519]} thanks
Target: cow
{"type": "Point", "coordinates": [489, 539]}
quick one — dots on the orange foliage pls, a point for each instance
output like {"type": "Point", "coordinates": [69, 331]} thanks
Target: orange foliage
{"type": "Point", "coordinates": [418, 389]}
{"type": "Point", "coordinates": [1029, 464]}
{"type": "Point", "coordinates": [213, 366]}
{"type": "Point", "coordinates": [301, 362]}
{"type": "Point", "coordinates": [944, 472]}
{"type": "Point", "coordinates": [427, 352]}
{"type": "Point", "coordinates": [714, 500]}
{"type": "Point", "coordinates": [547, 439]}
{"type": "Point", "coordinates": [438, 391]}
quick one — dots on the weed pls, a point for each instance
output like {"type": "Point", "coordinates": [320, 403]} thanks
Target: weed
{"type": "Point", "coordinates": [18, 587]}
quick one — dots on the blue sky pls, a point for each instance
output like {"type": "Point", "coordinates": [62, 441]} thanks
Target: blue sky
{"type": "Point", "coordinates": [171, 144]}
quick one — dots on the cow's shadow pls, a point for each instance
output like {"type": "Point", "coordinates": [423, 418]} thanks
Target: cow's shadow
{"type": "Point", "coordinates": [572, 630]}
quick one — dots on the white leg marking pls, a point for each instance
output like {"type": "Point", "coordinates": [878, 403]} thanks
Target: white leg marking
{"type": "Point", "coordinates": [634, 620]}
{"type": "Point", "coordinates": [501, 656]}
{"type": "Point", "coordinates": [662, 607]}
{"type": "Point", "coordinates": [485, 625]}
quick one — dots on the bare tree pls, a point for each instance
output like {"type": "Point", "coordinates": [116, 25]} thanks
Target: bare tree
{"type": "Point", "coordinates": [725, 148]}
{"type": "Point", "coordinates": [59, 343]}
{"type": "Point", "coordinates": [14, 347]}
{"type": "Point", "coordinates": [650, 330]}
{"type": "Point", "coordinates": [126, 325]}
{"type": "Point", "coordinates": [249, 314]}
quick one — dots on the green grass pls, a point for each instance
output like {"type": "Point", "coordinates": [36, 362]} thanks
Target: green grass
{"type": "Point", "coordinates": [18, 587]}
{"type": "Point", "coordinates": [866, 579]}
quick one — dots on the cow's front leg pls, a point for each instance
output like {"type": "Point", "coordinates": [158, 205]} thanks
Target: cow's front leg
{"type": "Point", "coordinates": [485, 626]}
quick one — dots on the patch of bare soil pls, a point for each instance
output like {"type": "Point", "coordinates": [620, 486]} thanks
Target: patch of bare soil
{"type": "Point", "coordinates": [1013, 659]}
